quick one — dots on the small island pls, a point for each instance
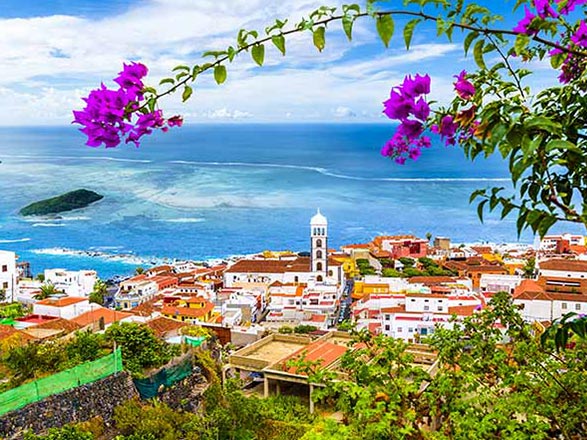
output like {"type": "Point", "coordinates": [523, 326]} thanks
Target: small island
{"type": "Point", "coordinates": [66, 202]}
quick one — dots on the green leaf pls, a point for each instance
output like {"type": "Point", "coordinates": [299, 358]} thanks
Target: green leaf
{"type": "Point", "coordinates": [560, 144]}
{"type": "Point", "coordinates": [347, 26]}
{"type": "Point", "coordinates": [167, 81]}
{"type": "Point", "coordinates": [319, 38]}
{"type": "Point", "coordinates": [409, 31]}
{"type": "Point", "coordinates": [182, 67]}
{"type": "Point", "coordinates": [258, 53]}
{"type": "Point", "coordinates": [522, 41]}
{"type": "Point", "coordinates": [478, 54]}
{"type": "Point", "coordinates": [279, 42]}
{"type": "Point", "coordinates": [187, 92]}
{"type": "Point", "coordinates": [385, 27]}
{"type": "Point", "coordinates": [480, 208]}
{"type": "Point", "coordinates": [220, 74]}
{"type": "Point", "coordinates": [469, 39]}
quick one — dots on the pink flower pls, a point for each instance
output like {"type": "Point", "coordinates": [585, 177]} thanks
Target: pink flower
{"type": "Point", "coordinates": [544, 9]}
{"type": "Point", "coordinates": [580, 36]}
{"type": "Point", "coordinates": [570, 5]}
{"type": "Point", "coordinates": [464, 88]}
{"type": "Point", "coordinates": [524, 25]}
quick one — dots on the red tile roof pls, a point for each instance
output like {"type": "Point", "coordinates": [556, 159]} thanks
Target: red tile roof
{"type": "Point", "coordinates": [66, 325]}
{"type": "Point", "coordinates": [190, 312]}
{"type": "Point", "coordinates": [566, 265]}
{"type": "Point", "coordinates": [161, 325]}
{"type": "Point", "coordinates": [61, 302]}
{"type": "Point", "coordinates": [94, 316]}
{"type": "Point", "coordinates": [323, 351]}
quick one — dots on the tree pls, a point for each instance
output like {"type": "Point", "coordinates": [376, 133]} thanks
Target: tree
{"type": "Point", "coordinates": [139, 270]}
{"type": "Point", "coordinates": [46, 291]}
{"type": "Point", "coordinates": [99, 293]}
{"type": "Point", "coordinates": [140, 347]}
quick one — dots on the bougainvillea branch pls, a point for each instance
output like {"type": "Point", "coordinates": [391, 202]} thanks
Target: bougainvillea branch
{"type": "Point", "coordinates": [493, 110]}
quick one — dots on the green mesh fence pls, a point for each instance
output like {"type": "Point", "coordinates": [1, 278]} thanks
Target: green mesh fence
{"type": "Point", "coordinates": [149, 387]}
{"type": "Point", "coordinates": [63, 381]}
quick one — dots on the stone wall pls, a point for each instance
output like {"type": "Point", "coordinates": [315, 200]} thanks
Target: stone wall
{"type": "Point", "coordinates": [185, 394]}
{"type": "Point", "coordinates": [76, 405]}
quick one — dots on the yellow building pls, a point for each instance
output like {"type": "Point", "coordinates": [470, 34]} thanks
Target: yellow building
{"type": "Point", "coordinates": [191, 310]}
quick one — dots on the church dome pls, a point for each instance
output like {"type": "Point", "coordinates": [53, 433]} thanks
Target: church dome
{"type": "Point", "coordinates": [318, 220]}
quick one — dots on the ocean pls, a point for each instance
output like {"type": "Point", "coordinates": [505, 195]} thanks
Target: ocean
{"type": "Point", "coordinates": [206, 192]}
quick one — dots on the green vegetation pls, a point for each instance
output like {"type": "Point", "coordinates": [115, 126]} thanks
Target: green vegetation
{"type": "Point", "coordinates": [47, 290]}
{"type": "Point", "coordinates": [365, 267]}
{"type": "Point", "coordinates": [13, 311]}
{"type": "Point", "coordinates": [66, 202]}
{"type": "Point", "coordinates": [100, 291]}
{"type": "Point", "coordinates": [141, 349]}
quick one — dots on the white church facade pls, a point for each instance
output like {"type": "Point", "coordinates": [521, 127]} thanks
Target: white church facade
{"type": "Point", "coordinates": [317, 269]}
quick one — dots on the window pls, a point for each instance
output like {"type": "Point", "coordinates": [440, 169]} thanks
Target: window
{"type": "Point", "coordinates": [296, 279]}
{"type": "Point", "coordinates": [329, 273]}
{"type": "Point", "coordinates": [426, 300]}
{"type": "Point", "coordinates": [400, 330]}
{"type": "Point", "coordinates": [577, 306]}
{"type": "Point", "coordinates": [4, 268]}
{"type": "Point", "coordinates": [439, 308]}
{"type": "Point", "coordinates": [318, 266]}
{"type": "Point", "coordinates": [319, 278]}
{"type": "Point", "coordinates": [410, 330]}
{"type": "Point", "coordinates": [387, 328]}
{"type": "Point", "coordinates": [319, 243]}
{"type": "Point", "coordinates": [387, 317]}
{"type": "Point", "coordinates": [318, 254]}
{"type": "Point", "coordinates": [426, 308]}
{"type": "Point", "coordinates": [564, 306]}
{"type": "Point", "coordinates": [5, 285]}
{"type": "Point", "coordinates": [413, 300]}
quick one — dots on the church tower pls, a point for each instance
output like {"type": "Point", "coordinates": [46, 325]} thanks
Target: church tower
{"type": "Point", "coordinates": [319, 241]}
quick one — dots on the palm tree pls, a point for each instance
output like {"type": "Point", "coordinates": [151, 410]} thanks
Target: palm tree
{"type": "Point", "coordinates": [47, 290]}
{"type": "Point", "coordinates": [99, 292]}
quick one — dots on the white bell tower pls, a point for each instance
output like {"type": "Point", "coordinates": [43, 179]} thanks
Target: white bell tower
{"type": "Point", "coordinates": [319, 241]}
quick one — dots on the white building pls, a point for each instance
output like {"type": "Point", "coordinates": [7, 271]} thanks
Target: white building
{"type": "Point", "coordinates": [72, 283]}
{"type": "Point", "coordinates": [493, 283]}
{"type": "Point", "coordinates": [67, 307]}
{"type": "Point", "coordinates": [316, 269]}
{"type": "Point", "coordinates": [8, 274]}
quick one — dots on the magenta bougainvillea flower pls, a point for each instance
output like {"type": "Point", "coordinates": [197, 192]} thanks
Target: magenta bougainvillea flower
{"type": "Point", "coordinates": [464, 88]}
{"type": "Point", "coordinates": [446, 129]}
{"type": "Point", "coordinates": [580, 36]}
{"type": "Point", "coordinates": [524, 25]}
{"type": "Point", "coordinates": [544, 9]}
{"type": "Point", "coordinates": [108, 115]}
{"type": "Point", "coordinates": [570, 5]}
{"type": "Point", "coordinates": [407, 105]}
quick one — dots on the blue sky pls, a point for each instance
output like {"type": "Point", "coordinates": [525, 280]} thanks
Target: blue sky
{"type": "Point", "coordinates": [53, 52]}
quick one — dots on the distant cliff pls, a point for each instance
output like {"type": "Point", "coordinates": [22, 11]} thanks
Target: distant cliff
{"type": "Point", "coordinates": [66, 202]}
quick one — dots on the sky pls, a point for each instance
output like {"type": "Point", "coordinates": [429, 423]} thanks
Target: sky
{"type": "Point", "coordinates": [53, 52]}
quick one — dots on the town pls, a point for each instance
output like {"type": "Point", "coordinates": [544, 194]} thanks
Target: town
{"type": "Point", "coordinates": [278, 306]}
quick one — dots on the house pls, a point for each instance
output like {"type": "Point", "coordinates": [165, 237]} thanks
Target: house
{"type": "Point", "coordinates": [493, 283]}
{"type": "Point", "coordinates": [397, 246]}
{"type": "Point", "coordinates": [99, 318]}
{"type": "Point", "coordinates": [67, 307]}
{"type": "Point", "coordinates": [193, 310]}
{"type": "Point", "coordinates": [8, 275]}
{"type": "Point", "coordinates": [72, 283]}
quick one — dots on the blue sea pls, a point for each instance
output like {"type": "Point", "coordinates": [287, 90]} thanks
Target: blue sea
{"type": "Point", "coordinates": [212, 191]}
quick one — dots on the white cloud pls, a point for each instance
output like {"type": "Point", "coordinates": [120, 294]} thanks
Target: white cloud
{"type": "Point", "coordinates": [48, 63]}
{"type": "Point", "coordinates": [224, 113]}
{"type": "Point", "coordinates": [344, 112]}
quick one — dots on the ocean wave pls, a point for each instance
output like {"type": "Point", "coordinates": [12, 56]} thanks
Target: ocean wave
{"type": "Point", "coordinates": [329, 173]}
{"type": "Point", "coordinates": [126, 258]}
{"type": "Point", "coordinates": [16, 240]}
{"type": "Point", "coordinates": [74, 219]}
{"type": "Point", "coordinates": [182, 220]}
{"type": "Point", "coordinates": [48, 225]}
